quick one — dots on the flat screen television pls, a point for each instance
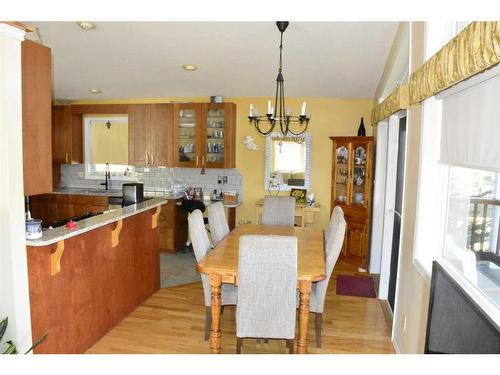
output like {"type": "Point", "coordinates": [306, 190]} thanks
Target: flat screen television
{"type": "Point", "coordinates": [455, 323]}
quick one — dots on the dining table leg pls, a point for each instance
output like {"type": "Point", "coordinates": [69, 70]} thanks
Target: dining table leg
{"type": "Point", "coordinates": [305, 293]}
{"type": "Point", "coordinates": [215, 282]}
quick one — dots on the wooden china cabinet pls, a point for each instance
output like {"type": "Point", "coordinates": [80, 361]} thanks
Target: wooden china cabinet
{"type": "Point", "coordinates": [204, 135]}
{"type": "Point", "coordinates": [351, 189]}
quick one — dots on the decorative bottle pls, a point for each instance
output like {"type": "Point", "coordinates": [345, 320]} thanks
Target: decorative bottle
{"type": "Point", "coordinates": [361, 129]}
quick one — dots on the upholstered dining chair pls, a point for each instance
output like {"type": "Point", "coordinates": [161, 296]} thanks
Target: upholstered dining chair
{"type": "Point", "coordinates": [337, 213]}
{"type": "Point", "coordinates": [333, 246]}
{"type": "Point", "coordinates": [219, 228]}
{"type": "Point", "coordinates": [279, 211]}
{"type": "Point", "coordinates": [201, 247]}
{"type": "Point", "coordinates": [267, 284]}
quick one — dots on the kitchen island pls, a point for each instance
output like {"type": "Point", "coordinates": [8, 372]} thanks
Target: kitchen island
{"type": "Point", "coordinates": [84, 281]}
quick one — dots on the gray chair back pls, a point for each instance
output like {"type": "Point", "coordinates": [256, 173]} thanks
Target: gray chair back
{"type": "Point", "coordinates": [219, 228]}
{"type": "Point", "coordinates": [201, 246]}
{"type": "Point", "coordinates": [337, 213]}
{"type": "Point", "coordinates": [279, 211]}
{"type": "Point", "coordinates": [333, 246]}
{"type": "Point", "coordinates": [267, 283]}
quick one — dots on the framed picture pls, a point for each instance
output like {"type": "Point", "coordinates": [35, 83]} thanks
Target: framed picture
{"type": "Point", "coordinates": [299, 195]}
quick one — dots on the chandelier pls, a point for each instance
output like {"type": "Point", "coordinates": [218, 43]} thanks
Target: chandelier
{"type": "Point", "coordinates": [265, 124]}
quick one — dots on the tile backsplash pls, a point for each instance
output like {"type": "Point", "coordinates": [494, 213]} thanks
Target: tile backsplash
{"type": "Point", "coordinates": [158, 180]}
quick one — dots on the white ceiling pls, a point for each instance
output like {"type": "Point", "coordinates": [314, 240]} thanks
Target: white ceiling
{"type": "Point", "coordinates": [144, 59]}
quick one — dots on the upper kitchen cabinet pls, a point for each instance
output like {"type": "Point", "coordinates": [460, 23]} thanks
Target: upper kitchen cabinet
{"type": "Point", "coordinates": [204, 135]}
{"type": "Point", "coordinates": [67, 145]}
{"type": "Point", "coordinates": [150, 134]}
{"type": "Point", "coordinates": [187, 135]}
{"type": "Point", "coordinates": [161, 135]}
{"type": "Point", "coordinates": [36, 112]}
{"type": "Point", "coordinates": [218, 135]}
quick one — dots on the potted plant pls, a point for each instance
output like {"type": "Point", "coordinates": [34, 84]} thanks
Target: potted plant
{"type": "Point", "coordinates": [9, 347]}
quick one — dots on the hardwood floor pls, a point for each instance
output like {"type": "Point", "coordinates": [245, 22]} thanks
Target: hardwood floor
{"type": "Point", "coordinates": [172, 321]}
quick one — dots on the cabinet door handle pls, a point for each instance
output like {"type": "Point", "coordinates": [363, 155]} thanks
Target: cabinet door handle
{"type": "Point", "coordinates": [152, 159]}
{"type": "Point", "coordinates": [147, 158]}
{"type": "Point", "coordinates": [66, 157]}
{"type": "Point", "coordinates": [196, 159]}
{"type": "Point", "coordinates": [203, 160]}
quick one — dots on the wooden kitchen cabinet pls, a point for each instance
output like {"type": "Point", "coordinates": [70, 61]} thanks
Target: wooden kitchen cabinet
{"type": "Point", "coordinates": [36, 112]}
{"type": "Point", "coordinates": [67, 140]}
{"type": "Point", "coordinates": [173, 226]}
{"type": "Point", "coordinates": [204, 135]}
{"type": "Point", "coordinates": [150, 134]}
{"type": "Point", "coordinates": [351, 189]}
{"type": "Point", "coordinates": [161, 135]}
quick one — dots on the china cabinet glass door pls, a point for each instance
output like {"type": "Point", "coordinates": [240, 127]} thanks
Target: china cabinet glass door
{"type": "Point", "coordinates": [342, 173]}
{"type": "Point", "coordinates": [214, 139]}
{"type": "Point", "coordinates": [359, 174]}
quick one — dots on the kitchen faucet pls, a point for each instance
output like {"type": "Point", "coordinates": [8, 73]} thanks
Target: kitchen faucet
{"type": "Point", "coordinates": [107, 181]}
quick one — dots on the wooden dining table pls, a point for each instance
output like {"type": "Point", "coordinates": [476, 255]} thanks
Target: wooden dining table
{"type": "Point", "coordinates": [221, 266]}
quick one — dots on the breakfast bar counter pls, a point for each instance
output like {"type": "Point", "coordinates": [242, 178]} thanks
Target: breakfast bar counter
{"type": "Point", "coordinates": [51, 236]}
{"type": "Point", "coordinates": [84, 281]}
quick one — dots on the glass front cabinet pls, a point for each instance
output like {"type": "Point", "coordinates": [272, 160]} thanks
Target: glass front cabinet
{"type": "Point", "coordinates": [204, 135]}
{"type": "Point", "coordinates": [351, 189]}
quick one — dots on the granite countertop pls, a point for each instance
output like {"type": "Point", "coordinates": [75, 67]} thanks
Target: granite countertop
{"type": "Point", "coordinates": [51, 236]}
{"type": "Point", "coordinates": [207, 202]}
{"type": "Point", "coordinates": [85, 191]}
{"type": "Point", "coordinates": [163, 195]}
{"type": "Point", "coordinates": [118, 193]}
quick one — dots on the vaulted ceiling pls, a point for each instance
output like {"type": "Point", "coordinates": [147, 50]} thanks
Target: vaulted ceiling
{"type": "Point", "coordinates": [234, 59]}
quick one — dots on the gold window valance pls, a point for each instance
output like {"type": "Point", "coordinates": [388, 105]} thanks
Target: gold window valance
{"type": "Point", "coordinates": [475, 49]}
{"type": "Point", "coordinates": [395, 102]}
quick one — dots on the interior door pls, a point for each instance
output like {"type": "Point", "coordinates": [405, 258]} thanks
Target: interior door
{"type": "Point", "coordinates": [398, 209]}
{"type": "Point", "coordinates": [390, 206]}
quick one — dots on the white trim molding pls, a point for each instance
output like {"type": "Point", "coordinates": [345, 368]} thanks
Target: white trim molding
{"type": "Point", "coordinates": [12, 32]}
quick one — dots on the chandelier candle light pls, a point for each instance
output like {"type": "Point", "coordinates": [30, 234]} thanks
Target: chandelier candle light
{"type": "Point", "coordinates": [283, 115]}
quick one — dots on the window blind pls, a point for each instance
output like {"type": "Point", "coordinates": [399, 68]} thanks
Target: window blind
{"type": "Point", "coordinates": [470, 129]}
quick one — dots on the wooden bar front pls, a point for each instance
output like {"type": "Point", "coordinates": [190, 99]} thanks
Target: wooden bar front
{"type": "Point", "coordinates": [98, 285]}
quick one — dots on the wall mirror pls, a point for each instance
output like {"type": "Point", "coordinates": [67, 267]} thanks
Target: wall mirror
{"type": "Point", "coordinates": [288, 161]}
{"type": "Point", "coordinates": [106, 142]}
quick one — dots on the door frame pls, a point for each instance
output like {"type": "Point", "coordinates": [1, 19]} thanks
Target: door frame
{"type": "Point", "coordinates": [389, 205]}
{"type": "Point", "coordinates": [378, 200]}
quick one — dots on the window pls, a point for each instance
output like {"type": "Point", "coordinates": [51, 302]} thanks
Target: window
{"type": "Point", "coordinates": [472, 228]}
{"type": "Point", "coordinates": [458, 207]}
{"type": "Point", "coordinates": [433, 176]}
{"type": "Point", "coordinates": [106, 142]}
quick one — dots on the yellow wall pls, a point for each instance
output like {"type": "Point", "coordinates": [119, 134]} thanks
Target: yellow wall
{"type": "Point", "coordinates": [339, 117]}
{"type": "Point", "coordinates": [330, 117]}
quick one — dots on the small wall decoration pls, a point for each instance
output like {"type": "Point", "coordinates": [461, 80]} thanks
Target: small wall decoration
{"type": "Point", "coordinates": [299, 195]}
{"type": "Point", "coordinates": [250, 144]}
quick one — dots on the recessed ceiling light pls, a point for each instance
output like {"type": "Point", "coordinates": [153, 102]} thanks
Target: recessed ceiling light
{"type": "Point", "coordinates": [86, 25]}
{"type": "Point", "coordinates": [189, 67]}
{"type": "Point", "coordinates": [95, 91]}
